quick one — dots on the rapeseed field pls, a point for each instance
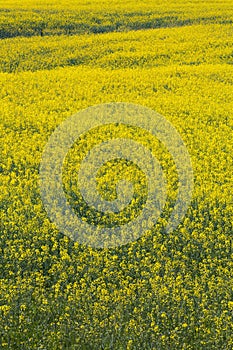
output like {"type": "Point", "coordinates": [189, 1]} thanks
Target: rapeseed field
{"type": "Point", "coordinates": [162, 290]}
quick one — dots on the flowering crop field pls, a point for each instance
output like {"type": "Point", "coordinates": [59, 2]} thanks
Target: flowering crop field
{"type": "Point", "coordinates": [162, 291]}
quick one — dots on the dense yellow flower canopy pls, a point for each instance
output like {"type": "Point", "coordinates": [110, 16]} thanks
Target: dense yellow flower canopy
{"type": "Point", "coordinates": [162, 291]}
